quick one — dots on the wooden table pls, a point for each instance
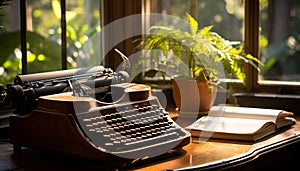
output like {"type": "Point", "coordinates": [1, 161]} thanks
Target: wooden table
{"type": "Point", "coordinates": [273, 152]}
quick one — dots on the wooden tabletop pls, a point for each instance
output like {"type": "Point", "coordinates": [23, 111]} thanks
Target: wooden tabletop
{"type": "Point", "coordinates": [200, 154]}
{"type": "Point", "coordinates": [219, 154]}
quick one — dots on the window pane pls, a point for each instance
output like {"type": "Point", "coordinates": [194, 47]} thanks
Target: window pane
{"type": "Point", "coordinates": [83, 22]}
{"type": "Point", "coordinates": [279, 39]}
{"type": "Point", "coordinates": [10, 54]}
{"type": "Point", "coordinates": [43, 36]}
{"type": "Point", "coordinates": [226, 16]}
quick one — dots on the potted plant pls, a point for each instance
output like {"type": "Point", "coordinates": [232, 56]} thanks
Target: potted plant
{"type": "Point", "coordinates": [194, 56]}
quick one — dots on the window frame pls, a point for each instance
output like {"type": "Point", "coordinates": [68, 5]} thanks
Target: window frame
{"type": "Point", "coordinates": [252, 33]}
{"type": "Point", "coordinates": [23, 38]}
{"type": "Point", "coordinates": [253, 84]}
{"type": "Point", "coordinates": [110, 13]}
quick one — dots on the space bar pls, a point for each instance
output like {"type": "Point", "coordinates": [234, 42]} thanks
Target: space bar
{"type": "Point", "coordinates": [163, 138]}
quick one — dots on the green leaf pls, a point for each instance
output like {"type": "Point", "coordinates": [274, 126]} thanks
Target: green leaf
{"type": "Point", "coordinates": [206, 30]}
{"type": "Point", "coordinates": [269, 63]}
{"type": "Point", "coordinates": [57, 11]}
{"type": "Point", "coordinates": [151, 73]}
{"type": "Point", "coordinates": [56, 8]}
{"type": "Point", "coordinates": [7, 47]}
{"type": "Point", "coordinates": [193, 24]}
{"type": "Point", "coordinates": [37, 45]}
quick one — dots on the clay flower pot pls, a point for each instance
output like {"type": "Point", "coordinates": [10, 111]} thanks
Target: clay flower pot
{"type": "Point", "coordinates": [193, 95]}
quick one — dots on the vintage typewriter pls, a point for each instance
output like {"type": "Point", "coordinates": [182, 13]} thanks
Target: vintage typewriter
{"type": "Point", "coordinates": [93, 113]}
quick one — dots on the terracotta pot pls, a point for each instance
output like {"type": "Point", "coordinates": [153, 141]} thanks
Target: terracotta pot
{"type": "Point", "coordinates": [193, 95]}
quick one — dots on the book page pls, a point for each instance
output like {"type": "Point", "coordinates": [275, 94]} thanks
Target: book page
{"type": "Point", "coordinates": [245, 112]}
{"type": "Point", "coordinates": [229, 125]}
{"type": "Point", "coordinates": [285, 122]}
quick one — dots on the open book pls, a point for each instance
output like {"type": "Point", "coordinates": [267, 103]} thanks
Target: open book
{"type": "Point", "coordinates": [240, 123]}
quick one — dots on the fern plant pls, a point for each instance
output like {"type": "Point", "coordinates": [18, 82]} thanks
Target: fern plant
{"type": "Point", "coordinates": [199, 51]}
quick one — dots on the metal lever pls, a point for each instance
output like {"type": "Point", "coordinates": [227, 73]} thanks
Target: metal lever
{"type": "Point", "coordinates": [125, 59]}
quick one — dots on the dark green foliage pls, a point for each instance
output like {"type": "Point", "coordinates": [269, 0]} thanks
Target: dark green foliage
{"type": "Point", "coordinates": [199, 49]}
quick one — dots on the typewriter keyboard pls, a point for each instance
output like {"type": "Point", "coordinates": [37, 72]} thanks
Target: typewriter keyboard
{"type": "Point", "coordinates": [131, 126]}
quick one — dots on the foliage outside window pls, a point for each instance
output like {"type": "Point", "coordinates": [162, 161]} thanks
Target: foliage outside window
{"type": "Point", "coordinates": [280, 39]}
{"type": "Point", "coordinates": [44, 35]}
{"type": "Point", "coordinates": [226, 17]}
{"type": "Point", "coordinates": [279, 35]}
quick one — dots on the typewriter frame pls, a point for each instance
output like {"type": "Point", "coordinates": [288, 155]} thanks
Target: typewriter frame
{"type": "Point", "coordinates": [47, 118]}
{"type": "Point", "coordinates": [59, 132]}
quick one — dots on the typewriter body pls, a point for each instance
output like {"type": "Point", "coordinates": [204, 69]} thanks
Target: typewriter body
{"type": "Point", "coordinates": [103, 117]}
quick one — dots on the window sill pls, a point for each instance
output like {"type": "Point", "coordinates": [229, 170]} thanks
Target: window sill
{"type": "Point", "coordinates": [264, 100]}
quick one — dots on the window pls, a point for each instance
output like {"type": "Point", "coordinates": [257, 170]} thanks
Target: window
{"type": "Point", "coordinates": [272, 35]}
{"type": "Point", "coordinates": [226, 17]}
{"type": "Point", "coordinates": [279, 41]}
{"type": "Point", "coordinates": [268, 28]}
{"type": "Point", "coordinates": [53, 34]}
{"type": "Point", "coordinates": [257, 23]}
